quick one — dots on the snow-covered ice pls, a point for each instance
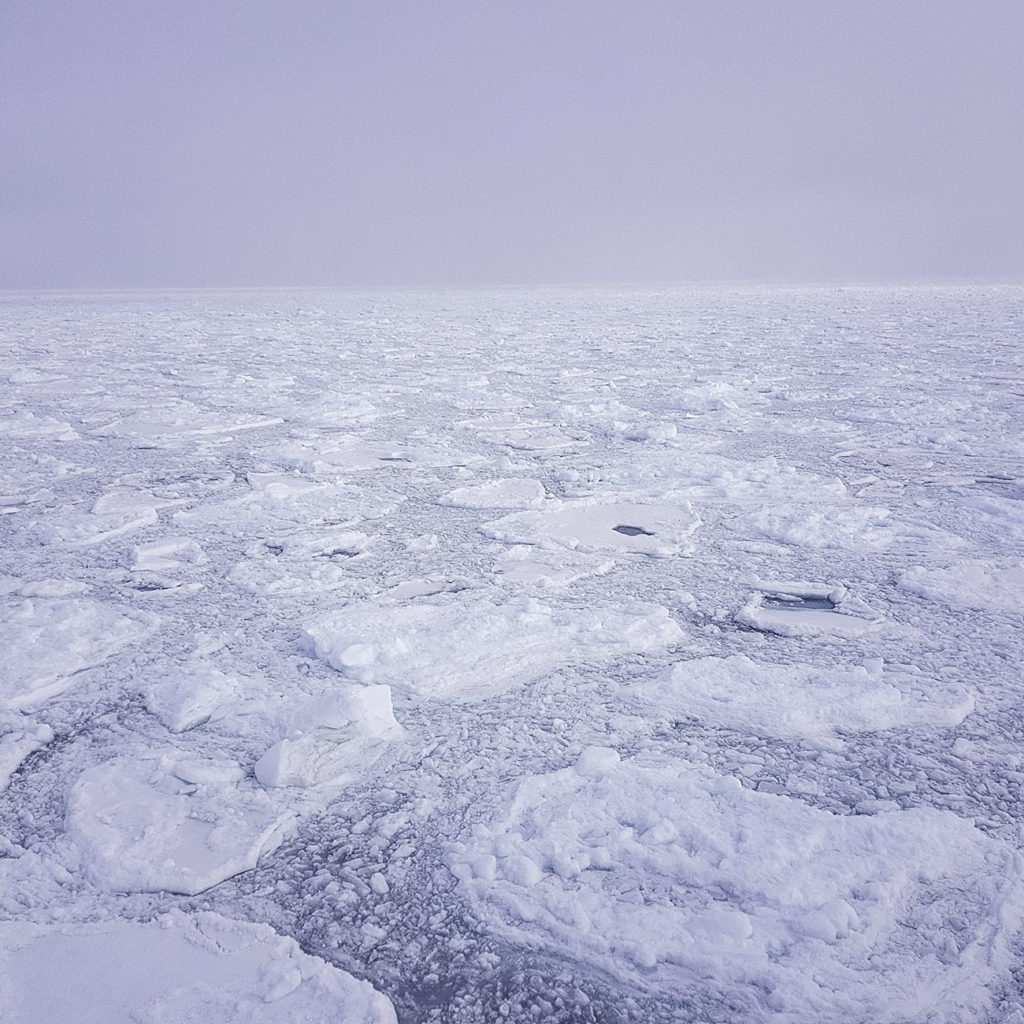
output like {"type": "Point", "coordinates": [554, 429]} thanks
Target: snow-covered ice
{"type": "Point", "coordinates": [50, 642]}
{"type": "Point", "coordinates": [656, 530]}
{"type": "Point", "coordinates": [804, 701]}
{"type": "Point", "coordinates": [576, 656]}
{"type": "Point", "coordinates": [470, 647]}
{"type": "Point", "coordinates": [173, 969]}
{"type": "Point", "coordinates": [672, 875]}
{"type": "Point", "coordinates": [152, 822]}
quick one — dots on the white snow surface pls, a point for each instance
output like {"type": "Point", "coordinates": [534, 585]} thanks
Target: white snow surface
{"type": "Point", "coordinates": [804, 701]}
{"type": "Point", "coordinates": [473, 647]}
{"type": "Point", "coordinates": [657, 530]}
{"type": "Point", "coordinates": [153, 822]}
{"type": "Point", "coordinates": [670, 872]}
{"type": "Point", "coordinates": [49, 642]}
{"type": "Point", "coordinates": [576, 656]}
{"type": "Point", "coordinates": [174, 969]}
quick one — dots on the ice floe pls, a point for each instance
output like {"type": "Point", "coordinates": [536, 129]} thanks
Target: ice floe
{"type": "Point", "coordinates": [170, 822]}
{"type": "Point", "coordinates": [804, 701]}
{"type": "Point", "coordinates": [168, 554]}
{"type": "Point", "coordinates": [19, 737]}
{"type": "Point", "coordinates": [806, 609]}
{"type": "Point", "coordinates": [333, 738]}
{"type": "Point", "coordinates": [862, 529]}
{"type": "Point", "coordinates": [175, 968]}
{"type": "Point", "coordinates": [31, 425]}
{"type": "Point", "coordinates": [678, 878]}
{"type": "Point", "coordinates": [504, 493]}
{"type": "Point", "coordinates": [994, 585]}
{"type": "Point", "coordinates": [527, 565]}
{"type": "Point", "coordinates": [190, 694]}
{"type": "Point", "coordinates": [658, 530]}
{"type": "Point", "coordinates": [48, 642]}
{"type": "Point", "coordinates": [171, 422]}
{"type": "Point", "coordinates": [470, 646]}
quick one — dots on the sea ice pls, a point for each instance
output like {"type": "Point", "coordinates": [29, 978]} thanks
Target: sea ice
{"type": "Point", "coordinates": [659, 530]}
{"type": "Point", "coordinates": [673, 876]}
{"type": "Point", "coordinates": [173, 969]}
{"type": "Point", "coordinates": [803, 701]}
{"type": "Point", "coordinates": [48, 642]}
{"type": "Point", "coordinates": [468, 646]}
{"type": "Point", "coordinates": [170, 822]}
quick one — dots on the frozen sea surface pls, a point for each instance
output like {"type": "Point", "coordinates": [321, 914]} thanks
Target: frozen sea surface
{"type": "Point", "coordinates": [576, 656]}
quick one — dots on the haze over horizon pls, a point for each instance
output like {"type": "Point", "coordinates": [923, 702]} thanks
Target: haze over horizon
{"type": "Point", "coordinates": [236, 144]}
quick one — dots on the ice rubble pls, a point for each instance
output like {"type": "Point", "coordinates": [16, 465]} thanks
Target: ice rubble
{"type": "Point", "coordinates": [674, 876]}
{"type": "Point", "coordinates": [350, 485]}
{"type": "Point", "coordinates": [470, 647]}
{"type": "Point", "coordinates": [173, 969]}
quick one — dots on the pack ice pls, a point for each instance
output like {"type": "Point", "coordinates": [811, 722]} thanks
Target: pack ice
{"type": "Point", "coordinates": [573, 656]}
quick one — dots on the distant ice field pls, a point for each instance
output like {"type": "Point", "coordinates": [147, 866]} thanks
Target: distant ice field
{"type": "Point", "coordinates": [563, 655]}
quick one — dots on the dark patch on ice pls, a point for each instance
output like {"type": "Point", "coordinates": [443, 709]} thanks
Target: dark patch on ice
{"type": "Point", "coordinates": [791, 602]}
{"type": "Point", "coordinates": [274, 549]}
{"type": "Point", "coordinates": [393, 458]}
{"type": "Point", "coordinates": [633, 531]}
{"type": "Point", "coordinates": [151, 586]}
{"type": "Point", "coordinates": [338, 554]}
{"type": "Point", "coordinates": [1003, 486]}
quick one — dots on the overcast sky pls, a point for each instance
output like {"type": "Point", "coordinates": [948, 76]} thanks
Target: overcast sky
{"type": "Point", "coordinates": [243, 142]}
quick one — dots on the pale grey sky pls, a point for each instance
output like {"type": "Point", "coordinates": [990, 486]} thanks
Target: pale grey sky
{"type": "Point", "coordinates": [243, 142]}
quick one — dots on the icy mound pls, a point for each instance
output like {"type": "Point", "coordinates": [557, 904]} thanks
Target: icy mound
{"type": "Point", "coordinates": [333, 738]}
{"type": "Point", "coordinates": [147, 823]}
{"type": "Point", "coordinates": [471, 647]}
{"type": "Point", "coordinates": [177, 968]}
{"type": "Point", "coordinates": [804, 700]}
{"type": "Point", "coordinates": [188, 695]}
{"type": "Point", "coordinates": [671, 875]}
{"type": "Point", "coordinates": [48, 641]}
{"type": "Point", "coordinates": [661, 530]}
